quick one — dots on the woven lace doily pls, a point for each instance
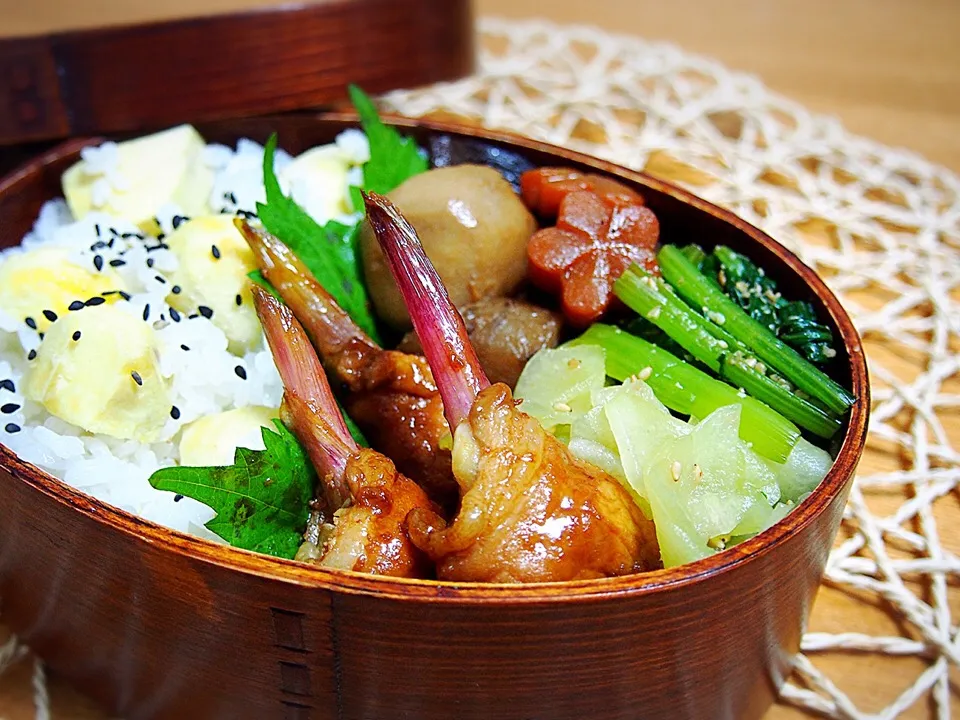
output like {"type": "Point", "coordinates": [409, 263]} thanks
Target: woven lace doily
{"type": "Point", "coordinates": [881, 225]}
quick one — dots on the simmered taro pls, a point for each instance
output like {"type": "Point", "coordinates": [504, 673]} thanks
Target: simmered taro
{"type": "Point", "coordinates": [473, 227]}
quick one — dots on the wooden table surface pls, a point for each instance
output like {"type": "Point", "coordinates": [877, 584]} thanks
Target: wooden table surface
{"type": "Point", "coordinates": [888, 69]}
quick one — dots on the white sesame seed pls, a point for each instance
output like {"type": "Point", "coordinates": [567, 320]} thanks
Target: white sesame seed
{"type": "Point", "coordinates": [675, 470]}
{"type": "Point", "coordinates": [562, 407]}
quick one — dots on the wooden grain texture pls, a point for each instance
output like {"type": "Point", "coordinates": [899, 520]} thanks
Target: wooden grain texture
{"type": "Point", "coordinates": [156, 624]}
{"type": "Point", "coordinates": [139, 77]}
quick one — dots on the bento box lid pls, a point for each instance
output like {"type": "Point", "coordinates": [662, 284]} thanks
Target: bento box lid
{"type": "Point", "coordinates": [122, 77]}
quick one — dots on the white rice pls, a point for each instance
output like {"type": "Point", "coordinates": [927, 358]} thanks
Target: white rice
{"type": "Point", "coordinates": [202, 380]}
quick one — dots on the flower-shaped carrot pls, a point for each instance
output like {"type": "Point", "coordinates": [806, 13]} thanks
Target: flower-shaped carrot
{"type": "Point", "coordinates": [596, 239]}
{"type": "Point", "coordinates": [543, 189]}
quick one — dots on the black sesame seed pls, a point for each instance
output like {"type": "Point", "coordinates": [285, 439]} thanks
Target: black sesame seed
{"type": "Point", "coordinates": [8, 408]}
{"type": "Point", "coordinates": [175, 412]}
{"type": "Point", "coordinates": [8, 385]}
{"type": "Point", "coordinates": [175, 289]}
{"type": "Point", "coordinates": [75, 305]}
{"type": "Point", "coordinates": [163, 318]}
{"type": "Point", "coordinates": [12, 428]}
{"type": "Point", "coordinates": [97, 228]}
{"type": "Point", "coordinates": [31, 355]}
{"type": "Point", "coordinates": [178, 219]}
{"type": "Point", "coordinates": [98, 262]}
{"type": "Point", "coordinates": [31, 323]}
{"type": "Point", "coordinates": [110, 244]}
{"type": "Point", "coordinates": [149, 262]}
{"type": "Point", "coordinates": [50, 315]}
{"type": "Point", "coordinates": [205, 311]}
{"type": "Point", "coordinates": [178, 497]}
{"type": "Point", "coordinates": [76, 335]}
{"type": "Point", "coordinates": [232, 198]}
{"type": "Point", "coordinates": [146, 312]}
{"type": "Point", "coordinates": [215, 251]}
{"type": "Point", "coordinates": [124, 295]}
{"type": "Point", "coordinates": [117, 262]}
{"type": "Point", "coordinates": [184, 347]}
{"type": "Point", "coordinates": [136, 378]}
{"type": "Point", "coordinates": [161, 236]}
{"type": "Point", "coordinates": [98, 245]}
{"type": "Point", "coordinates": [241, 373]}
{"type": "Point", "coordinates": [160, 279]}
{"type": "Point", "coordinates": [174, 315]}
{"type": "Point", "coordinates": [239, 300]}
{"type": "Point", "coordinates": [94, 301]}
{"type": "Point", "coordinates": [41, 336]}
{"type": "Point", "coordinates": [114, 232]}
{"type": "Point", "coordinates": [128, 235]}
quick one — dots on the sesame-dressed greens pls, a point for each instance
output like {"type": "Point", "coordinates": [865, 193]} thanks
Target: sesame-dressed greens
{"type": "Point", "coordinates": [793, 321]}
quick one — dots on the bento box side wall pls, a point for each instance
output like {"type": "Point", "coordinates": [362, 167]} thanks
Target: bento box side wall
{"type": "Point", "coordinates": [135, 624]}
{"type": "Point", "coordinates": [723, 647]}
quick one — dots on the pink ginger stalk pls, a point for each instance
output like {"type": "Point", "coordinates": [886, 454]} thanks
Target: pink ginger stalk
{"type": "Point", "coordinates": [439, 326]}
{"type": "Point", "coordinates": [330, 328]}
{"type": "Point", "coordinates": [314, 414]}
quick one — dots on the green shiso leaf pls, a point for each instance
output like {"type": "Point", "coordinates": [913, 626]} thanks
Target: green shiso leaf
{"type": "Point", "coordinates": [261, 500]}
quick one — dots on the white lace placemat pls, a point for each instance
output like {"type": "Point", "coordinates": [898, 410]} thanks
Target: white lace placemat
{"type": "Point", "coordinates": [881, 225]}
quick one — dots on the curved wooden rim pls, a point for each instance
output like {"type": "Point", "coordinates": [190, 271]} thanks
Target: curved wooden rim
{"type": "Point", "coordinates": [434, 590]}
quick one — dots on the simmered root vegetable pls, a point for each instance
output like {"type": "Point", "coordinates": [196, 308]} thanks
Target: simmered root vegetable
{"type": "Point", "coordinates": [211, 277]}
{"type": "Point", "coordinates": [135, 179]}
{"type": "Point", "coordinates": [529, 511]}
{"type": "Point", "coordinates": [97, 368]}
{"type": "Point", "coordinates": [544, 189]}
{"type": "Point", "coordinates": [595, 240]}
{"type": "Point", "coordinates": [506, 333]}
{"type": "Point", "coordinates": [367, 500]}
{"type": "Point", "coordinates": [474, 230]}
